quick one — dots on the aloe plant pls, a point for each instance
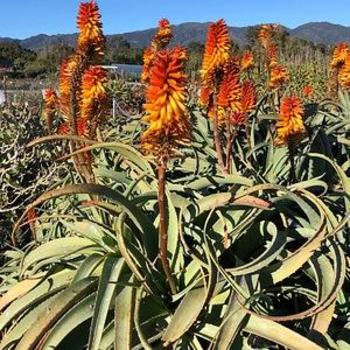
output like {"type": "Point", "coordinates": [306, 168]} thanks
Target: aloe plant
{"type": "Point", "coordinates": [247, 251]}
{"type": "Point", "coordinates": [183, 254]}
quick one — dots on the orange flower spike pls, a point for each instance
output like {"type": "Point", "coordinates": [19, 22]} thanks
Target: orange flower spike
{"type": "Point", "coordinates": [290, 120]}
{"type": "Point", "coordinates": [339, 55]}
{"type": "Point", "coordinates": [308, 91]}
{"type": "Point", "coordinates": [50, 98]}
{"type": "Point", "coordinates": [232, 66]}
{"type": "Point", "coordinates": [82, 131]}
{"type": "Point", "coordinates": [163, 36]}
{"type": "Point", "coordinates": [148, 57]}
{"type": "Point", "coordinates": [279, 76]}
{"type": "Point", "coordinates": [159, 42]}
{"type": "Point", "coordinates": [67, 69]}
{"type": "Point", "coordinates": [205, 96]}
{"type": "Point", "coordinates": [82, 127]}
{"type": "Point", "coordinates": [50, 106]}
{"type": "Point", "coordinates": [248, 100]}
{"type": "Point", "coordinates": [63, 129]}
{"type": "Point", "coordinates": [93, 91]}
{"type": "Point", "coordinates": [64, 80]}
{"type": "Point", "coordinates": [90, 28]}
{"type": "Point", "coordinates": [238, 119]}
{"type": "Point", "coordinates": [230, 92]}
{"type": "Point", "coordinates": [165, 106]}
{"type": "Point", "coordinates": [265, 33]}
{"type": "Point", "coordinates": [217, 51]}
{"type": "Point", "coordinates": [272, 55]}
{"type": "Point", "coordinates": [344, 74]}
{"type": "Point", "coordinates": [247, 61]}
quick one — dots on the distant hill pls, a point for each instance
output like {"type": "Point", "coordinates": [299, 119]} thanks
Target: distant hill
{"type": "Point", "coordinates": [322, 32]}
{"type": "Point", "coordinates": [183, 34]}
{"type": "Point", "coordinates": [318, 32]}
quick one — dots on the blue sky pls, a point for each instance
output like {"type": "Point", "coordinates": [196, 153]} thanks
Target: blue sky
{"type": "Point", "coordinates": [23, 18]}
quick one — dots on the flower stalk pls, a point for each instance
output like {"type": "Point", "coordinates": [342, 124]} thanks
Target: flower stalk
{"type": "Point", "coordinates": [167, 115]}
{"type": "Point", "coordinates": [163, 223]}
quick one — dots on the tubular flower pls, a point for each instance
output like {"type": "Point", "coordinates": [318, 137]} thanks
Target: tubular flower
{"type": "Point", "coordinates": [163, 36]}
{"type": "Point", "coordinates": [148, 57]}
{"type": "Point", "coordinates": [247, 61]}
{"type": "Point", "coordinates": [339, 55]}
{"type": "Point", "coordinates": [230, 93]}
{"type": "Point", "coordinates": [271, 55]}
{"type": "Point", "coordinates": [238, 119]}
{"type": "Point", "coordinates": [90, 26]}
{"type": "Point", "coordinates": [344, 74]}
{"type": "Point", "coordinates": [67, 70]}
{"type": "Point", "coordinates": [265, 33]}
{"type": "Point", "coordinates": [230, 90]}
{"type": "Point", "coordinates": [50, 106]}
{"type": "Point", "coordinates": [246, 105]}
{"type": "Point", "coordinates": [159, 42]}
{"type": "Point", "coordinates": [82, 128]}
{"type": "Point", "coordinates": [165, 103]}
{"type": "Point", "coordinates": [63, 129]}
{"type": "Point", "coordinates": [278, 76]}
{"type": "Point", "coordinates": [205, 96]}
{"type": "Point", "coordinates": [232, 66]}
{"type": "Point", "coordinates": [308, 91]}
{"type": "Point", "coordinates": [217, 51]}
{"type": "Point", "coordinates": [290, 120]}
{"type": "Point", "coordinates": [93, 92]}
{"type": "Point", "coordinates": [248, 100]}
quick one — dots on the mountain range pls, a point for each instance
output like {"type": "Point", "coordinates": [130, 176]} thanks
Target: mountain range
{"type": "Point", "coordinates": [317, 32]}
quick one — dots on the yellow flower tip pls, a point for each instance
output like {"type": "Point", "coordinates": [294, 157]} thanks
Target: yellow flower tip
{"type": "Point", "coordinates": [90, 28]}
{"type": "Point", "coordinates": [165, 107]}
{"type": "Point", "coordinates": [290, 120]}
{"type": "Point", "coordinates": [217, 51]}
{"type": "Point", "coordinates": [93, 91]}
{"type": "Point", "coordinates": [219, 112]}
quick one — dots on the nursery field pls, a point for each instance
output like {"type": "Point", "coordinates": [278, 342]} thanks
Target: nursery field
{"type": "Point", "coordinates": [204, 209]}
